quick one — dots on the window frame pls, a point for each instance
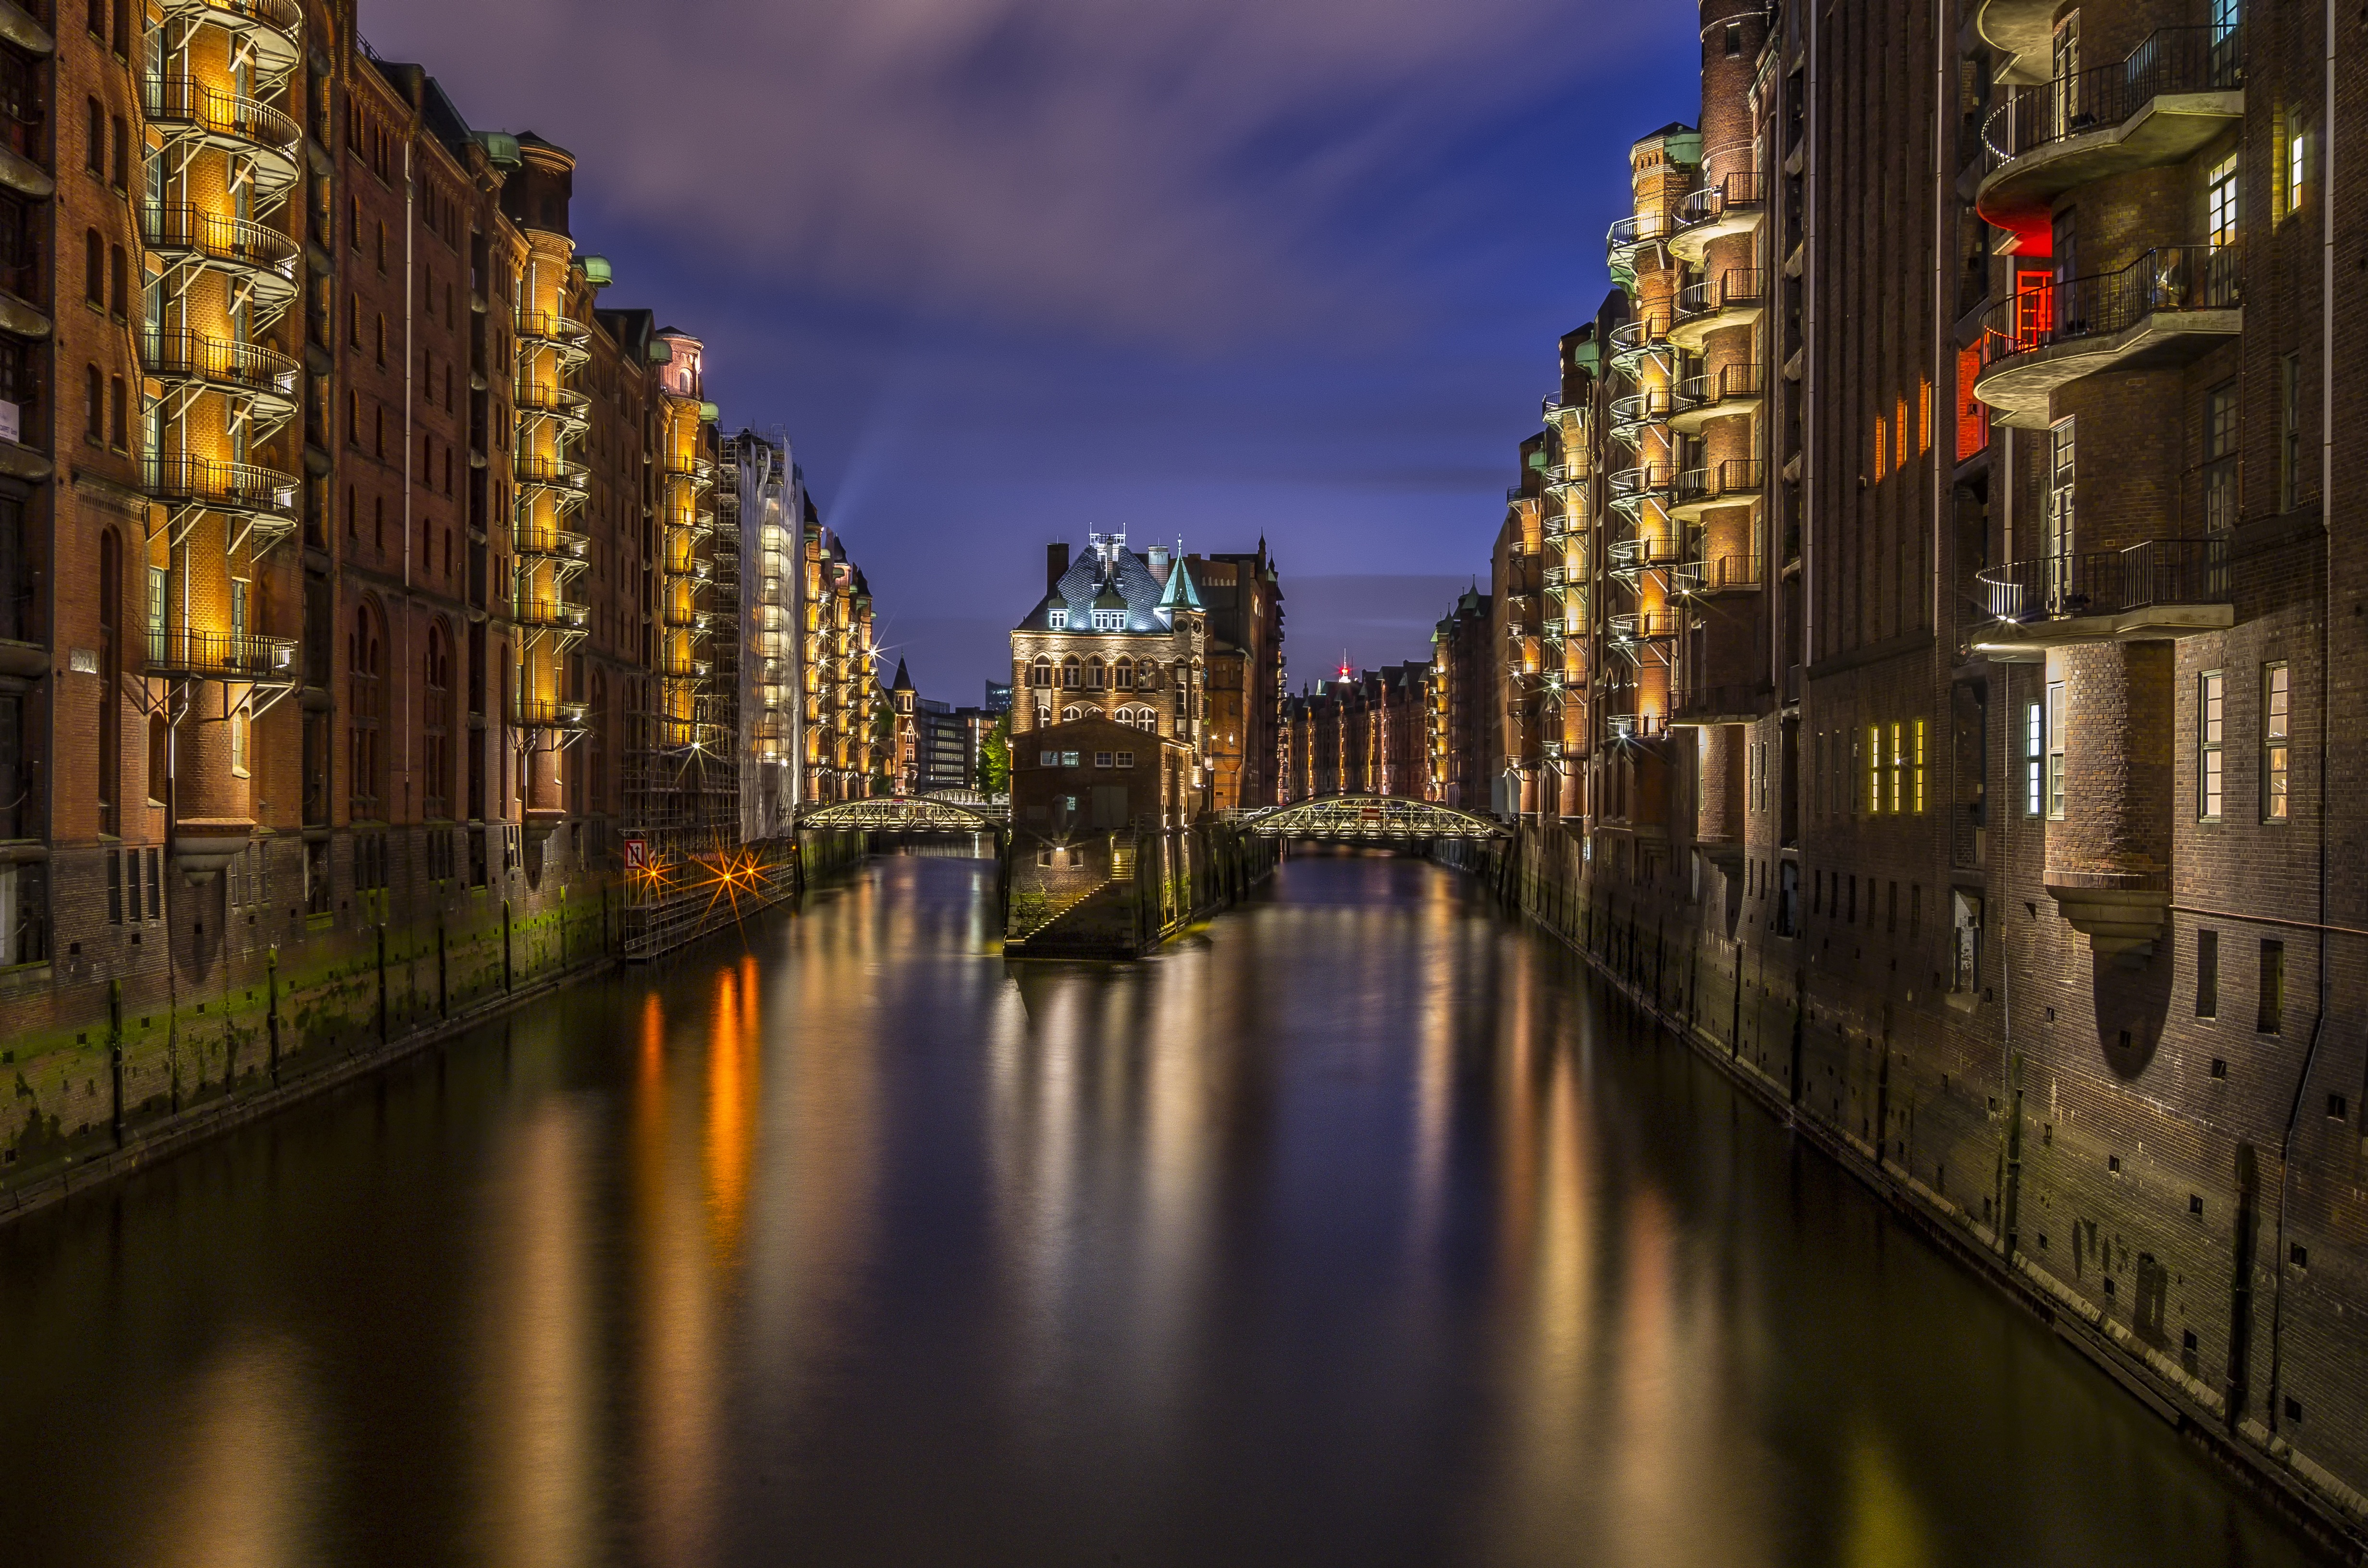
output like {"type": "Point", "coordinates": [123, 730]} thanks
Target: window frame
{"type": "Point", "coordinates": [2059, 704]}
{"type": "Point", "coordinates": [2211, 745]}
{"type": "Point", "coordinates": [2277, 741]}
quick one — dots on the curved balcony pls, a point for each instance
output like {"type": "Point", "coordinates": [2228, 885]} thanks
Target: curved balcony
{"type": "Point", "coordinates": [685, 616]}
{"type": "Point", "coordinates": [552, 544]}
{"type": "Point", "coordinates": [190, 654]}
{"type": "Point", "coordinates": [1634, 341]}
{"type": "Point", "coordinates": [2165, 308]}
{"type": "Point", "coordinates": [218, 364]}
{"type": "Point", "coordinates": [243, 489]}
{"type": "Point", "coordinates": [1646, 483]}
{"type": "Point", "coordinates": [1734, 483]}
{"type": "Point", "coordinates": [535, 472]}
{"type": "Point", "coordinates": [1632, 413]}
{"type": "Point", "coordinates": [686, 669]}
{"type": "Point", "coordinates": [1737, 297]}
{"type": "Point", "coordinates": [1554, 410]}
{"type": "Point", "coordinates": [2177, 91]}
{"type": "Point", "coordinates": [183, 106]}
{"type": "Point", "coordinates": [687, 468]}
{"type": "Point", "coordinates": [2162, 587]}
{"type": "Point", "coordinates": [543, 713]}
{"type": "Point", "coordinates": [1648, 552]}
{"type": "Point", "coordinates": [1628, 237]}
{"type": "Point", "coordinates": [1729, 390]}
{"type": "Point", "coordinates": [1734, 206]}
{"type": "Point", "coordinates": [264, 257]}
{"type": "Point", "coordinates": [697, 525]}
{"type": "Point", "coordinates": [558, 615]}
{"type": "Point", "coordinates": [566, 337]}
{"type": "Point", "coordinates": [1632, 628]}
{"type": "Point", "coordinates": [572, 410]}
{"type": "Point", "coordinates": [2022, 32]}
{"type": "Point", "coordinates": [1718, 575]}
{"type": "Point", "coordinates": [273, 29]}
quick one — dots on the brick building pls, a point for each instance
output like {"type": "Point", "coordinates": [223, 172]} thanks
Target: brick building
{"type": "Point", "coordinates": [1943, 516]}
{"type": "Point", "coordinates": [1243, 596]}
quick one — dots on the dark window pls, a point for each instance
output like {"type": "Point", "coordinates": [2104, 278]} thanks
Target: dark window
{"type": "Point", "coordinates": [93, 268]}
{"type": "Point", "coordinates": [94, 398]}
{"type": "Point", "coordinates": [94, 151]}
{"type": "Point", "coordinates": [2207, 975]}
{"type": "Point", "coordinates": [2272, 1009]}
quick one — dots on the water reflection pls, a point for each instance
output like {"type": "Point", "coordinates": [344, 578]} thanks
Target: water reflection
{"type": "Point", "coordinates": [1355, 1230]}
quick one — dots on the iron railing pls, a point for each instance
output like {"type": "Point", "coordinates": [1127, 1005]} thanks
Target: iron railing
{"type": "Point", "coordinates": [2172, 60]}
{"type": "Point", "coordinates": [563, 474]}
{"type": "Point", "coordinates": [543, 713]}
{"type": "Point", "coordinates": [1727, 382]}
{"type": "Point", "coordinates": [548, 612]}
{"type": "Point", "coordinates": [2110, 581]}
{"type": "Point", "coordinates": [219, 361]}
{"type": "Point", "coordinates": [184, 100]}
{"type": "Point", "coordinates": [221, 655]}
{"type": "Point", "coordinates": [1736, 286]}
{"type": "Point", "coordinates": [235, 241]}
{"type": "Point", "coordinates": [1717, 574]}
{"type": "Point", "coordinates": [1737, 192]}
{"type": "Point", "coordinates": [239, 487]}
{"type": "Point", "coordinates": [2170, 277]}
{"type": "Point", "coordinates": [563, 542]}
{"type": "Point", "coordinates": [1735, 476]}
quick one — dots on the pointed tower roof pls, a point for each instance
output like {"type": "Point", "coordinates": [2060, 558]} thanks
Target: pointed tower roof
{"type": "Point", "coordinates": [904, 681]}
{"type": "Point", "coordinates": [1180, 592]}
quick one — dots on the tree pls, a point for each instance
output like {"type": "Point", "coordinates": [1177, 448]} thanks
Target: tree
{"type": "Point", "coordinates": [994, 757]}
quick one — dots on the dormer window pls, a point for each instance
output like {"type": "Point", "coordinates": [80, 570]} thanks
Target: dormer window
{"type": "Point", "coordinates": [1057, 619]}
{"type": "Point", "coordinates": [1110, 621]}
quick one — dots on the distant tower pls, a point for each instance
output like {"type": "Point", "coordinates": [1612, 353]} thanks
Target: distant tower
{"type": "Point", "coordinates": [908, 725]}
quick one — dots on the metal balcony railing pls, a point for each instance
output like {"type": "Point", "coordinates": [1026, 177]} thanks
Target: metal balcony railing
{"type": "Point", "coordinates": [1630, 235]}
{"type": "Point", "coordinates": [283, 16]}
{"type": "Point", "coordinates": [561, 543]}
{"type": "Point", "coordinates": [1736, 477]}
{"type": "Point", "coordinates": [1735, 193]}
{"type": "Point", "coordinates": [1717, 574]}
{"type": "Point", "coordinates": [1736, 286]}
{"type": "Point", "coordinates": [545, 397]}
{"type": "Point", "coordinates": [238, 243]}
{"type": "Point", "coordinates": [228, 486]}
{"type": "Point", "coordinates": [221, 655]}
{"type": "Point", "coordinates": [1729, 383]}
{"type": "Point", "coordinates": [2172, 60]}
{"type": "Point", "coordinates": [2172, 277]}
{"type": "Point", "coordinates": [544, 713]}
{"type": "Point", "coordinates": [2159, 572]}
{"type": "Point", "coordinates": [1631, 340]}
{"type": "Point", "coordinates": [562, 473]}
{"type": "Point", "coordinates": [184, 100]}
{"type": "Point", "coordinates": [551, 326]}
{"type": "Point", "coordinates": [1642, 480]}
{"type": "Point", "coordinates": [1636, 410]}
{"type": "Point", "coordinates": [549, 612]}
{"type": "Point", "coordinates": [1644, 626]}
{"type": "Point", "coordinates": [218, 361]}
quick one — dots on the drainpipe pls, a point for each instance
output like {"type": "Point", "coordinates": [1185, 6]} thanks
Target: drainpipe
{"type": "Point", "coordinates": [2326, 649]}
{"type": "Point", "coordinates": [409, 369]}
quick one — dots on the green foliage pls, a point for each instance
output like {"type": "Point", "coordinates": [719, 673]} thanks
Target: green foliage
{"type": "Point", "coordinates": [995, 758]}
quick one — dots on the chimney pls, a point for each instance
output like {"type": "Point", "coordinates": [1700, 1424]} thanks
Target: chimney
{"type": "Point", "coordinates": [1056, 565]}
{"type": "Point", "coordinates": [1156, 559]}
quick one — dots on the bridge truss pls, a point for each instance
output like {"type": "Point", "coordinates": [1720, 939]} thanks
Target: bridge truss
{"type": "Point", "coordinates": [1370, 818]}
{"type": "Point", "coordinates": [911, 814]}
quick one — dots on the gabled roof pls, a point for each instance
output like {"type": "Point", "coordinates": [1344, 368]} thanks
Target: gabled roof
{"type": "Point", "coordinates": [1180, 592]}
{"type": "Point", "coordinates": [1121, 580]}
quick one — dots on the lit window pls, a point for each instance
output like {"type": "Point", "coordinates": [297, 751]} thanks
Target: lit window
{"type": "Point", "coordinates": [1874, 768]}
{"type": "Point", "coordinates": [2277, 697]}
{"type": "Point", "coordinates": [1920, 767]}
{"type": "Point", "coordinates": [1057, 619]}
{"type": "Point", "coordinates": [2298, 168]}
{"type": "Point", "coordinates": [2055, 715]}
{"type": "Point", "coordinates": [1069, 759]}
{"type": "Point", "coordinates": [1110, 621]}
{"type": "Point", "coordinates": [1897, 768]}
{"type": "Point", "coordinates": [2211, 720]}
{"type": "Point", "coordinates": [2220, 202]}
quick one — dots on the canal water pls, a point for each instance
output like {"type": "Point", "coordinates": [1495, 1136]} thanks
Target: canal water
{"type": "Point", "coordinates": [1356, 1229]}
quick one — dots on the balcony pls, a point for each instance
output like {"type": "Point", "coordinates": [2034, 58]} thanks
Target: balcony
{"type": "Point", "coordinates": [555, 544]}
{"type": "Point", "coordinates": [220, 364]}
{"type": "Point", "coordinates": [1726, 392]}
{"type": "Point", "coordinates": [684, 668]}
{"type": "Point", "coordinates": [1632, 414]}
{"type": "Point", "coordinates": [187, 653]}
{"type": "Point", "coordinates": [1634, 488]}
{"type": "Point", "coordinates": [1641, 634]}
{"type": "Point", "coordinates": [563, 335]}
{"type": "Point", "coordinates": [2163, 587]}
{"type": "Point", "coordinates": [1554, 410]}
{"type": "Point", "coordinates": [2165, 308]}
{"type": "Point", "coordinates": [1737, 297]}
{"type": "Point", "coordinates": [1634, 341]}
{"type": "Point", "coordinates": [686, 617]}
{"type": "Point", "coordinates": [536, 472]}
{"type": "Point", "coordinates": [1734, 206]}
{"type": "Point", "coordinates": [183, 106]}
{"type": "Point", "coordinates": [2177, 91]}
{"type": "Point", "coordinates": [1717, 576]}
{"type": "Point", "coordinates": [1734, 483]}
{"type": "Point", "coordinates": [243, 489]}
{"type": "Point", "coordinates": [1628, 238]}
{"type": "Point", "coordinates": [572, 410]}
{"type": "Point", "coordinates": [542, 713]}
{"type": "Point", "coordinates": [1632, 557]}
{"type": "Point", "coordinates": [697, 525]}
{"type": "Point", "coordinates": [557, 615]}
{"type": "Point", "coordinates": [263, 258]}
{"type": "Point", "coordinates": [273, 29]}
{"type": "Point", "coordinates": [688, 467]}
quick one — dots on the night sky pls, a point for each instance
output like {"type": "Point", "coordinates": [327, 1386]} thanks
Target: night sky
{"type": "Point", "coordinates": [1011, 270]}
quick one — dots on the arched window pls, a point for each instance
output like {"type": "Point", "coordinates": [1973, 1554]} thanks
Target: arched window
{"type": "Point", "coordinates": [1122, 675]}
{"type": "Point", "coordinates": [1148, 677]}
{"type": "Point", "coordinates": [1069, 672]}
{"type": "Point", "coordinates": [1041, 672]}
{"type": "Point", "coordinates": [436, 751]}
{"type": "Point", "coordinates": [1094, 673]}
{"type": "Point", "coordinates": [160, 759]}
{"type": "Point", "coordinates": [1069, 715]}
{"type": "Point", "coordinates": [93, 268]}
{"type": "Point", "coordinates": [366, 713]}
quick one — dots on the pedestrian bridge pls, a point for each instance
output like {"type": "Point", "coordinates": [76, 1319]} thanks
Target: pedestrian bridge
{"type": "Point", "coordinates": [1370, 818]}
{"type": "Point", "coordinates": [911, 814]}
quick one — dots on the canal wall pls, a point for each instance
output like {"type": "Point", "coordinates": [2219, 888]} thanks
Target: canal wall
{"type": "Point", "coordinates": [2216, 1277]}
{"type": "Point", "coordinates": [1120, 895]}
{"type": "Point", "coordinates": [228, 1001]}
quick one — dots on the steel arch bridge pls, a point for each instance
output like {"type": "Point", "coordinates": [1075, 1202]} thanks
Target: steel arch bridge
{"type": "Point", "coordinates": [911, 814]}
{"type": "Point", "coordinates": [1370, 818]}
